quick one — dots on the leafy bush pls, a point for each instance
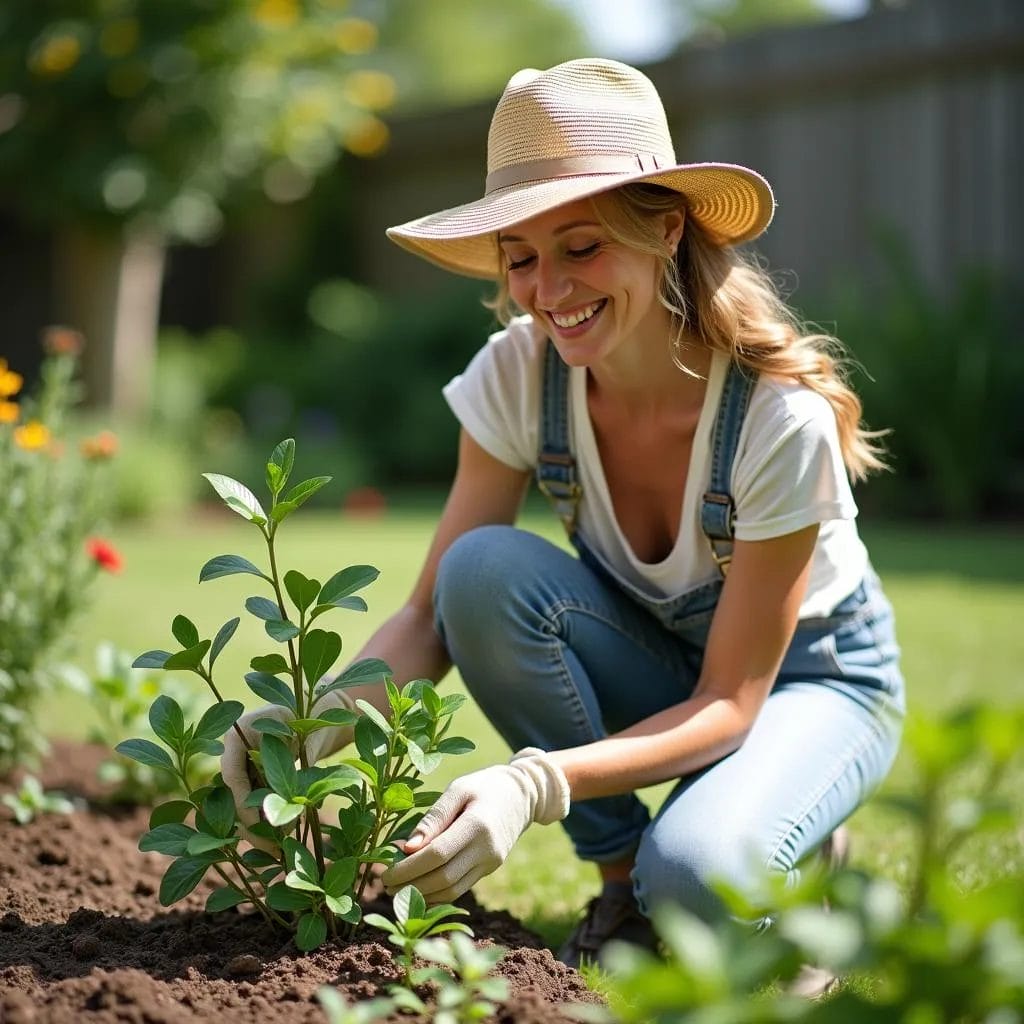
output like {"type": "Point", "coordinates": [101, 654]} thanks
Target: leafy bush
{"type": "Point", "coordinates": [51, 503]}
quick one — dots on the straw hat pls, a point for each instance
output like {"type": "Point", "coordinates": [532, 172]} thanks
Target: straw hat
{"type": "Point", "coordinates": [573, 131]}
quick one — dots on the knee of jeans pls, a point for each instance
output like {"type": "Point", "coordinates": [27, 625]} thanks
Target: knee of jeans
{"type": "Point", "coordinates": [684, 868]}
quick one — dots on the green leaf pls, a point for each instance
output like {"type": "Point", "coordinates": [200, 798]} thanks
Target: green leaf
{"type": "Point", "coordinates": [297, 880]}
{"type": "Point", "coordinates": [341, 777]}
{"type": "Point", "coordinates": [320, 650]}
{"type": "Point", "coordinates": [272, 663]}
{"type": "Point", "coordinates": [301, 493]}
{"type": "Point", "coordinates": [218, 718]}
{"type": "Point", "coordinates": [311, 933]}
{"type": "Point", "coordinates": [278, 766]}
{"type": "Point", "coordinates": [423, 762]}
{"type": "Point", "coordinates": [371, 743]}
{"type": "Point", "coordinates": [398, 797]}
{"type": "Point", "coordinates": [224, 634]}
{"type": "Point", "coordinates": [301, 859]}
{"type": "Point", "coordinates": [190, 658]}
{"type": "Point", "coordinates": [455, 745]}
{"type": "Point", "coordinates": [279, 811]}
{"type": "Point", "coordinates": [430, 700]}
{"type": "Point", "coordinates": [339, 905]}
{"type": "Point", "coordinates": [346, 582]}
{"type": "Point", "coordinates": [151, 659]}
{"type": "Point", "coordinates": [280, 897]}
{"type": "Point", "coordinates": [167, 720]}
{"type": "Point", "coordinates": [452, 702]}
{"type": "Point", "coordinates": [263, 608]}
{"type": "Point", "coordinates": [219, 811]}
{"type": "Point", "coordinates": [185, 631]}
{"type": "Point", "coordinates": [224, 899]}
{"type": "Point", "coordinates": [170, 812]}
{"type": "Point", "coordinates": [375, 716]}
{"type": "Point", "coordinates": [282, 510]}
{"type": "Point", "coordinates": [402, 904]}
{"type": "Point", "coordinates": [364, 768]}
{"type": "Point", "coordinates": [281, 630]}
{"type": "Point", "coordinates": [205, 843]}
{"type": "Point", "coordinates": [181, 878]}
{"type": "Point", "coordinates": [379, 921]}
{"type": "Point", "coordinates": [301, 590]}
{"type": "Point", "coordinates": [259, 859]}
{"type": "Point", "coordinates": [170, 839]}
{"type": "Point", "coordinates": [229, 565]}
{"type": "Point", "coordinates": [146, 752]}
{"type": "Point", "coordinates": [283, 456]}
{"type": "Point", "coordinates": [340, 876]}
{"type": "Point", "coordinates": [272, 727]}
{"type": "Point", "coordinates": [353, 603]}
{"type": "Point", "coordinates": [237, 497]}
{"type": "Point", "coordinates": [271, 689]}
{"type": "Point", "coordinates": [337, 716]}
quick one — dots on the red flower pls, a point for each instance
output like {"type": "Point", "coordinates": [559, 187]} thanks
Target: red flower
{"type": "Point", "coordinates": [105, 555]}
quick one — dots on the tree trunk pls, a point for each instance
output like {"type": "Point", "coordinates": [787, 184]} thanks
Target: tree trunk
{"type": "Point", "coordinates": [107, 285]}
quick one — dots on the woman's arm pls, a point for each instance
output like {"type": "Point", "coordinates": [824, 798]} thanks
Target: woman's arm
{"type": "Point", "coordinates": [485, 491]}
{"type": "Point", "coordinates": [751, 630]}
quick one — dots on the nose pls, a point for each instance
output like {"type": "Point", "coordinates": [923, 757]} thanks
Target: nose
{"type": "Point", "coordinates": [552, 283]}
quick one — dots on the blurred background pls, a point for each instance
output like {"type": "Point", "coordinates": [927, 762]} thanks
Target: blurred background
{"type": "Point", "coordinates": [202, 189]}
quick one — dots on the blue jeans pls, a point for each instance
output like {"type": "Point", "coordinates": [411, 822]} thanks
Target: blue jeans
{"type": "Point", "coordinates": [557, 656]}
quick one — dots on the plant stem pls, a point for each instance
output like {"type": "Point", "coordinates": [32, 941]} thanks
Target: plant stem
{"type": "Point", "coordinates": [300, 711]}
{"type": "Point", "coordinates": [208, 677]}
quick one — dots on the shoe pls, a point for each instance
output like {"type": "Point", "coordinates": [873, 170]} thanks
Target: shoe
{"type": "Point", "coordinates": [612, 915]}
{"type": "Point", "coordinates": [816, 982]}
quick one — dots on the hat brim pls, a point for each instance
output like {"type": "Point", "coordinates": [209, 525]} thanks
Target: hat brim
{"type": "Point", "coordinates": [733, 203]}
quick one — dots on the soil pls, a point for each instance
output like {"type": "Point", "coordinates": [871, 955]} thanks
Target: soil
{"type": "Point", "coordinates": [83, 937]}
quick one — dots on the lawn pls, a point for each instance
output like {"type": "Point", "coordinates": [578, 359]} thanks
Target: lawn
{"type": "Point", "coordinates": [958, 597]}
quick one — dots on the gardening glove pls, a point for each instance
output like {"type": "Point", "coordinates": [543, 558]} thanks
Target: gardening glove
{"type": "Point", "coordinates": [235, 763]}
{"type": "Point", "coordinates": [474, 824]}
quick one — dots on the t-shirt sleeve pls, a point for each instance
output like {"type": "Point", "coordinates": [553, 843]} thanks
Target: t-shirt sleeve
{"type": "Point", "coordinates": [790, 472]}
{"type": "Point", "coordinates": [496, 398]}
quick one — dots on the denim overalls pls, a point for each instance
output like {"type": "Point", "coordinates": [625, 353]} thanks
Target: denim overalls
{"type": "Point", "coordinates": [560, 652]}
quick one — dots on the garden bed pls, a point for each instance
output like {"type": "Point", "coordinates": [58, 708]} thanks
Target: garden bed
{"type": "Point", "coordinates": [83, 937]}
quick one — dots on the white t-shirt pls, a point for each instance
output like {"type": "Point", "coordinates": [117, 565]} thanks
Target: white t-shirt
{"type": "Point", "coordinates": [788, 471]}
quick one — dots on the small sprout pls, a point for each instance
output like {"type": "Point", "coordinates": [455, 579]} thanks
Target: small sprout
{"type": "Point", "coordinates": [30, 800]}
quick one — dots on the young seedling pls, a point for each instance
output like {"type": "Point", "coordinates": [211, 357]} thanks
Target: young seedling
{"type": "Point", "coordinates": [30, 800]}
{"type": "Point", "coordinates": [319, 870]}
{"type": "Point", "coordinates": [340, 1011]}
{"type": "Point", "coordinates": [468, 991]}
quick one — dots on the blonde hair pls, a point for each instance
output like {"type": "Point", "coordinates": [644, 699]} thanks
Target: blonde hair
{"type": "Point", "coordinates": [727, 301]}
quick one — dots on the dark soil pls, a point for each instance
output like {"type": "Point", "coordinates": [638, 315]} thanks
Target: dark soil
{"type": "Point", "coordinates": [83, 937]}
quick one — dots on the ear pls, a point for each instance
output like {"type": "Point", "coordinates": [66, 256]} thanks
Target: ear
{"type": "Point", "coordinates": [674, 222]}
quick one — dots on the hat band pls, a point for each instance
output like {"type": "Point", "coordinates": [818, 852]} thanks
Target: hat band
{"type": "Point", "coordinates": [574, 166]}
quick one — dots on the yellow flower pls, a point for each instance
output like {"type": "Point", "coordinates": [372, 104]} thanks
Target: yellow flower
{"type": "Point", "coordinates": [355, 35]}
{"type": "Point", "coordinates": [277, 13]}
{"type": "Point", "coordinates": [10, 382]}
{"type": "Point", "coordinates": [9, 412]}
{"type": "Point", "coordinates": [367, 137]}
{"type": "Point", "coordinates": [56, 55]}
{"type": "Point", "coordinates": [32, 436]}
{"type": "Point", "coordinates": [373, 90]}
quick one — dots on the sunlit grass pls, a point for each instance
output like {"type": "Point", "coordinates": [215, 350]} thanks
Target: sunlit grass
{"type": "Point", "coordinates": [958, 597]}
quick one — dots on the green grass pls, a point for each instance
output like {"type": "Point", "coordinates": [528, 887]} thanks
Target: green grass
{"type": "Point", "coordinates": [958, 597]}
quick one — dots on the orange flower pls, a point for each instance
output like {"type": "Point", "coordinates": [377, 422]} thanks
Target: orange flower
{"type": "Point", "coordinates": [9, 412]}
{"type": "Point", "coordinates": [62, 341]}
{"type": "Point", "coordinates": [32, 436]}
{"type": "Point", "coordinates": [105, 555]}
{"type": "Point", "coordinates": [10, 382]}
{"type": "Point", "coordinates": [102, 446]}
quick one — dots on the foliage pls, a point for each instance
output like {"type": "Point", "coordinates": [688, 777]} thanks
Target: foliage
{"type": "Point", "coordinates": [380, 788]}
{"type": "Point", "coordinates": [340, 1011]}
{"type": "Point", "coordinates": [944, 375]}
{"type": "Point", "coordinates": [941, 953]}
{"type": "Point", "coordinates": [467, 990]}
{"type": "Point", "coordinates": [29, 800]}
{"type": "Point", "coordinates": [51, 502]}
{"type": "Point", "coordinates": [121, 696]}
{"type": "Point", "coordinates": [163, 110]}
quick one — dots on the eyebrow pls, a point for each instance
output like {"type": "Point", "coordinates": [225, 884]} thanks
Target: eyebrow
{"type": "Point", "coordinates": [560, 230]}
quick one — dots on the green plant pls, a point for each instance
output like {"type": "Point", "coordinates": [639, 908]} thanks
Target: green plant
{"type": "Point", "coordinates": [340, 1011]}
{"type": "Point", "coordinates": [468, 991]}
{"type": "Point", "coordinates": [942, 952]}
{"type": "Point", "coordinates": [51, 501]}
{"type": "Point", "coordinates": [380, 788]}
{"type": "Point", "coordinates": [414, 922]}
{"type": "Point", "coordinates": [29, 800]}
{"type": "Point", "coordinates": [121, 696]}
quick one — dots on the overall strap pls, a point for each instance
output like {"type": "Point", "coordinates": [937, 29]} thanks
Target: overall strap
{"type": "Point", "coordinates": [556, 465]}
{"type": "Point", "coordinates": [718, 512]}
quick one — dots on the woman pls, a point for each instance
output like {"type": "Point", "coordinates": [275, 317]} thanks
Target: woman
{"type": "Point", "coordinates": [722, 626]}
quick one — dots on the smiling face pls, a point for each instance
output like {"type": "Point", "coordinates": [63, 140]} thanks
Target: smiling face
{"type": "Point", "coordinates": [593, 295]}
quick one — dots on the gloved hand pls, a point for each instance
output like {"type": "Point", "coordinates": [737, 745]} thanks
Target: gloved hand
{"type": "Point", "coordinates": [234, 762]}
{"type": "Point", "coordinates": [469, 832]}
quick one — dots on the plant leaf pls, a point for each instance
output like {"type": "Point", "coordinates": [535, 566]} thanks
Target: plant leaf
{"type": "Point", "coordinates": [366, 670]}
{"type": "Point", "coordinates": [380, 921]}
{"type": "Point", "coordinates": [181, 878]}
{"type": "Point", "coordinates": [185, 631]}
{"type": "Point", "coordinates": [229, 565]}
{"type": "Point", "coordinates": [279, 811]}
{"type": "Point", "coordinates": [280, 897]}
{"type": "Point", "coordinates": [218, 718]}
{"type": "Point", "coordinates": [311, 933]}
{"type": "Point", "coordinates": [170, 839]}
{"type": "Point", "coordinates": [167, 720]}
{"type": "Point", "coordinates": [301, 859]}
{"type": "Point", "coordinates": [203, 842]}
{"type": "Point", "coordinates": [320, 650]}
{"type": "Point", "coordinates": [455, 745]}
{"type": "Point", "coordinates": [237, 497]}
{"type": "Point", "coordinates": [170, 812]}
{"type": "Point", "coordinates": [297, 880]}
{"type": "Point", "coordinates": [398, 797]}
{"type": "Point", "coordinates": [224, 899]}
{"type": "Point", "coordinates": [401, 903]}
{"type": "Point", "coordinates": [340, 876]}
{"type": "Point", "coordinates": [219, 811]}
{"type": "Point", "coordinates": [151, 659]}
{"type": "Point", "coordinates": [272, 663]}
{"type": "Point", "coordinates": [301, 493]}
{"type": "Point", "coordinates": [339, 905]}
{"type": "Point", "coordinates": [301, 590]}
{"type": "Point", "coordinates": [346, 582]}
{"type": "Point", "coordinates": [353, 603]}
{"type": "Point", "coordinates": [146, 752]}
{"type": "Point", "coordinates": [282, 458]}
{"type": "Point", "coordinates": [224, 634]}
{"type": "Point", "coordinates": [190, 658]}
{"type": "Point", "coordinates": [281, 630]}
{"type": "Point", "coordinates": [273, 727]}
{"type": "Point", "coordinates": [375, 716]}
{"type": "Point", "coordinates": [271, 689]}
{"type": "Point", "coordinates": [278, 766]}
{"type": "Point", "coordinates": [263, 608]}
